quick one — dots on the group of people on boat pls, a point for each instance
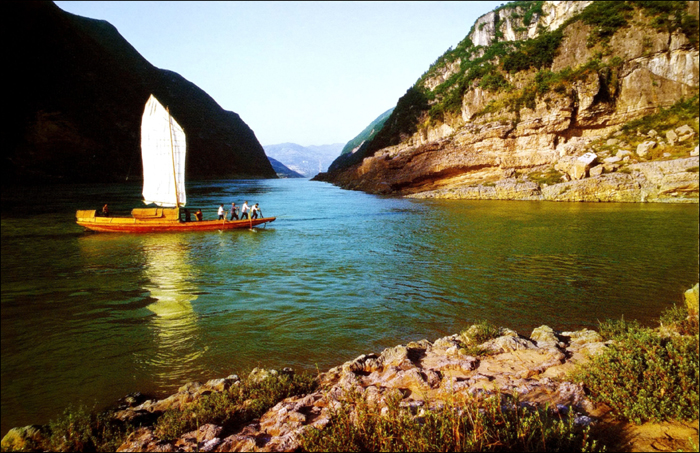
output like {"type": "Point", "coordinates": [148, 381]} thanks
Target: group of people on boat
{"type": "Point", "coordinates": [246, 212]}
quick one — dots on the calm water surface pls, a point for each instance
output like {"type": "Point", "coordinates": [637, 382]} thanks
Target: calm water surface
{"type": "Point", "coordinates": [88, 318]}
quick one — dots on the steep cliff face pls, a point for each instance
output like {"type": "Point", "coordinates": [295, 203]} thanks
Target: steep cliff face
{"type": "Point", "coordinates": [77, 91]}
{"type": "Point", "coordinates": [575, 101]}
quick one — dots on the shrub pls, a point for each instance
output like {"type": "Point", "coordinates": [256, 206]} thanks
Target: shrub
{"type": "Point", "coordinates": [470, 424]}
{"type": "Point", "coordinates": [643, 376]}
{"type": "Point", "coordinates": [677, 319]}
{"type": "Point", "coordinates": [551, 176]}
{"type": "Point", "coordinates": [234, 407]}
{"type": "Point", "coordinates": [534, 53]}
{"type": "Point", "coordinates": [82, 430]}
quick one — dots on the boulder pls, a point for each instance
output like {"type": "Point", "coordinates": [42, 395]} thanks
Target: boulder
{"type": "Point", "coordinates": [545, 337]}
{"type": "Point", "coordinates": [596, 171]}
{"type": "Point", "coordinates": [644, 148]}
{"type": "Point", "coordinates": [671, 137]}
{"type": "Point", "coordinates": [684, 133]}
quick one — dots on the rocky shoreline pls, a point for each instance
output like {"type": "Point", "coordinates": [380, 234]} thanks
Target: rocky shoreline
{"type": "Point", "coordinates": [424, 375]}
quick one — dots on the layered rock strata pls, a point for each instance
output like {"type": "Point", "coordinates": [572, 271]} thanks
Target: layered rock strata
{"type": "Point", "coordinates": [559, 119]}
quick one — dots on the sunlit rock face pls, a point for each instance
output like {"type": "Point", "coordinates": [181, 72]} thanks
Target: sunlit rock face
{"type": "Point", "coordinates": [525, 139]}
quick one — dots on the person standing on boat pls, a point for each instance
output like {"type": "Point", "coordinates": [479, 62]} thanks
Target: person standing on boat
{"type": "Point", "coordinates": [244, 210]}
{"type": "Point", "coordinates": [198, 215]}
{"type": "Point", "coordinates": [105, 210]}
{"type": "Point", "coordinates": [254, 211]}
{"type": "Point", "coordinates": [188, 217]}
{"type": "Point", "coordinates": [234, 211]}
{"type": "Point", "coordinates": [222, 214]}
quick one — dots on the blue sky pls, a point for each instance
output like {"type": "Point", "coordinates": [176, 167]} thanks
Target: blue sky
{"type": "Point", "coordinates": [310, 73]}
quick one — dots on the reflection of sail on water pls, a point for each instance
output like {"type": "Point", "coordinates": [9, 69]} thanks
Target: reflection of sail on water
{"type": "Point", "coordinates": [174, 323]}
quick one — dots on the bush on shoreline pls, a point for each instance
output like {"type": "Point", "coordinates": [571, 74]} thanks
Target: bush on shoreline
{"type": "Point", "coordinates": [468, 423]}
{"type": "Point", "coordinates": [646, 375]}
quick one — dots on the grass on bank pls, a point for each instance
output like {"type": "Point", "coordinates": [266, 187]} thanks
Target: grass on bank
{"type": "Point", "coordinates": [496, 423]}
{"type": "Point", "coordinates": [234, 407]}
{"type": "Point", "coordinates": [82, 430]}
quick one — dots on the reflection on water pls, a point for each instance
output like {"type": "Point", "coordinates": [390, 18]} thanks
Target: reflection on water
{"type": "Point", "coordinates": [91, 317]}
{"type": "Point", "coordinates": [174, 325]}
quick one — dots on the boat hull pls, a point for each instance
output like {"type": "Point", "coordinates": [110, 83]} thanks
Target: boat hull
{"type": "Point", "coordinates": [132, 225]}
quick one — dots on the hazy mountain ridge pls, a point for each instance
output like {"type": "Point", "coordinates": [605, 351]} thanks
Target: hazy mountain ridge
{"type": "Point", "coordinates": [282, 170]}
{"type": "Point", "coordinates": [305, 160]}
{"type": "Point", "coordinates": [78, 94]}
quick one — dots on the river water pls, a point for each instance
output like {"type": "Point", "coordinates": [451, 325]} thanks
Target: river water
{"type": "Point", "coordinates": [88, 318]}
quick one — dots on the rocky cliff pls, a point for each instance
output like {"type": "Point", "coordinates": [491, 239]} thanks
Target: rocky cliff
{"type": "Point", "coordinates": [77, 90]}
{"type": "Point", "coordinates": [565, 101]}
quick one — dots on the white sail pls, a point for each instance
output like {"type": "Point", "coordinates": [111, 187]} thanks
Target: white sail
{"type": "Point", "coordinates": [163, 151]}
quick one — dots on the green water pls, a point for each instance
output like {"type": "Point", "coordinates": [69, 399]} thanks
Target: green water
{"type": "Point", "coordinates": [88, 318]}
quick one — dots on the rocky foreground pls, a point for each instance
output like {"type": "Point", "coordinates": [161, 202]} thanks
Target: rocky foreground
{"type": "Point", "coordinates": [426, 376]}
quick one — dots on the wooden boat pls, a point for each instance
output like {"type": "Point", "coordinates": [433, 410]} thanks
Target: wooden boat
{"type": "Point", "coordinates": [163, 148]}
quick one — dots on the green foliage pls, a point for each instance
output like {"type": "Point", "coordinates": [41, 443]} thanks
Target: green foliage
{"type": "Point", "coordinates": [534, 53]}
{"type": "Point", "coordinates": [606, 17]}
{"type": "Point", "coordinates": [551, 176]}
{"type": "Point", "coordinates": [677, 319]}
{"type": "Point", "coordinates": [234, 407]}
{"type": "Point", "coordinates": [643, 376]}
{"type": "Point", "coordinates": [671, 16]}
{"type": "Point", "coordinates": [368, 133]}
{"type": "Point", "coordinates": [82, 430]}
{"type": "Point", "coordinates": [480, 332]}
{"type": "Point", "coordinates": [403, 122]}
{"type": "Point", "coordinates": [682, 112]}
{"type": "Point", "coordinates": [493, 81]}
{"type": "Point", "coordinates": [471, 424]}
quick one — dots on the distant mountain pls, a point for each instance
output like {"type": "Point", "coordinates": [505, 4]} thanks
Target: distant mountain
{"type": "Point", "coordinates": [282, 170]}
{"type": "Point", "coordinates": [306, 160]}
{"type": "Point", "coordinates": [368, 133]}
{"type": "Point", "coordinates": [76, 90]}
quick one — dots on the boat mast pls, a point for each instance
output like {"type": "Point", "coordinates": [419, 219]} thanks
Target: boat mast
{"type": "Point", "coordinates": [172, 156]}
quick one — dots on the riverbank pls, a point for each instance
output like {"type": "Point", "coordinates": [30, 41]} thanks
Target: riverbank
{"type": "Point", "coordinates": [416, 379]}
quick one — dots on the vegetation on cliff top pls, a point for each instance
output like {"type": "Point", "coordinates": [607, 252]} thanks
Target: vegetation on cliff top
{"type": "Point", "coordinates": [496, 68]}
